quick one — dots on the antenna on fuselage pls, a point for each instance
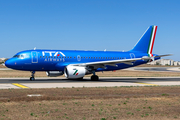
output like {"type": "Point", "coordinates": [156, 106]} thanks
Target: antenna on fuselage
{"type": "Point", "coordinates": [104, 50]}
{"type": "Point", "coordinates": [35, 48]}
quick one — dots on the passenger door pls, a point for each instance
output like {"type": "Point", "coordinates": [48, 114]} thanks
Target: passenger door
{"type": "Point", "coordinates": [34, 55]}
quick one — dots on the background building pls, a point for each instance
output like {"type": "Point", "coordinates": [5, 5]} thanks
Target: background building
{"type": "Point", "coordinates": [2, 60]}
{"type": "Point", "coordinates": [167, 62]}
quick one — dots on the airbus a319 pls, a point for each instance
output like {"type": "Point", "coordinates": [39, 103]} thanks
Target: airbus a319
{"type": "Point", "coordinates": [76, 64]}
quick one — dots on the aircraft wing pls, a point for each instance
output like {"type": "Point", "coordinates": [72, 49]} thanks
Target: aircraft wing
{"type": "Point", "coordinates": [102, 64]}
{"type": "Point", "coordinates": [111, 62]}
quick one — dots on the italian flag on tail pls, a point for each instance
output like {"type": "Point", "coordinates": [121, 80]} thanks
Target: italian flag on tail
{"type": "Point", "coordinates": [151, 41]}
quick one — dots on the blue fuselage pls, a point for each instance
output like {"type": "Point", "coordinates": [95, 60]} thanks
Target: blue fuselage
{"type": "Point", "coordinates": [57, 60]}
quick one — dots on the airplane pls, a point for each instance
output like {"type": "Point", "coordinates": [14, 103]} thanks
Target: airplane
{"type": "Point", "coordinates": [75, 64]}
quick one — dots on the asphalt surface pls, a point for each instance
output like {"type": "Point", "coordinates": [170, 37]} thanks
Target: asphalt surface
{"type": "Point", "coordinates": [60, 82]}
{"type": "Point", "coordinates": [87, 80]}
{"type": "Point", "coordinates": [6, 83]}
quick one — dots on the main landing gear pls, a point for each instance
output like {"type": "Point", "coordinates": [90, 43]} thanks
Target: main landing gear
{"type": "Point", "coordinates": [94, 77]}
{"type": "Point", "coordinates": [32, 76]}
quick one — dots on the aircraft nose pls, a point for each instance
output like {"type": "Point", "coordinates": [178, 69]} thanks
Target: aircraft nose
{"type": "Point", "coordinates": [9, 63]}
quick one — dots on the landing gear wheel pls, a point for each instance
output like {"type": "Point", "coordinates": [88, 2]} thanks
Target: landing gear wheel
{"type": "Point", "coordinates": [32, 78]}
{"type": "Point", "coordinates": [94, 78]}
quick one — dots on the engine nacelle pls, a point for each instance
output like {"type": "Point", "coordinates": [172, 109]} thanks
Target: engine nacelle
{"type": "Point", "coordinates": [54, 73]}
{"type": "Point", "coordinates": [74, 72]}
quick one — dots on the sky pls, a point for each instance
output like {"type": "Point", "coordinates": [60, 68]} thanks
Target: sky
{"type": "Point", "coordinates": [114, 25]}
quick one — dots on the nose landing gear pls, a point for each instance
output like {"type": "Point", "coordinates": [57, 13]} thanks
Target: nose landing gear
{"type": "Point", "coordinates": [32, 76]}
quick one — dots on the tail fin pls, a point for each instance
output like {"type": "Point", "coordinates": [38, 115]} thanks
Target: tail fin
{"type": "Point", "coordinates": [146, 42]}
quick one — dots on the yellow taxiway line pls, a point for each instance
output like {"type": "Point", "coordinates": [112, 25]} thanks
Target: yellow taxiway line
{"type": "Point", "coordinates": [19, 85]}
{"type": "Point", "coordinates": [148, 84]}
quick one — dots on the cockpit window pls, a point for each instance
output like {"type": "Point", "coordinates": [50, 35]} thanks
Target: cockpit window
{"type": "Point", "coordinates": [18, 56]}
{"type": "Point", "coordinates": [14, 56]}
{"type": "Point", "coordinates": [22, 56]}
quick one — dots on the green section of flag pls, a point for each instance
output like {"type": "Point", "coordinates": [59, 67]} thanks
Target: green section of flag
{"type": "Point", "coordinates": [75, 72]}
{"type": "Point", "coordinates": [150, 41]}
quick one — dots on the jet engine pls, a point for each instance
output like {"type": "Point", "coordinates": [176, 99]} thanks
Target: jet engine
{"type": "Point", "coordinates": [74, 72]}
{"type": "Point", "coordinates": [54, 73]}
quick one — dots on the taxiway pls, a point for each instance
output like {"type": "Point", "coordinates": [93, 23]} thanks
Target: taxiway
{"type": "Point", "coordinates": [62, 82]}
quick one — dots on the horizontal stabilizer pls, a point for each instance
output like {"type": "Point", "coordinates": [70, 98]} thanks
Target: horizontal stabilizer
{"type": "Point", "coordinates": [163, 55]}
{"type": "Point", "coordinates": [159, 56]}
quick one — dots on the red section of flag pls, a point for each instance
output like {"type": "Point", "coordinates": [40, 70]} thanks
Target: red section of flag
{"type": "Point", "coordinates": [58, 54]}
{"type": "Point", "coordinates": [76, 73]}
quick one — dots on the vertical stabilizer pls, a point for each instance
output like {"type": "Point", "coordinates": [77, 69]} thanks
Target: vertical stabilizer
{"type": "Point", "coordinates": [146, 42]}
